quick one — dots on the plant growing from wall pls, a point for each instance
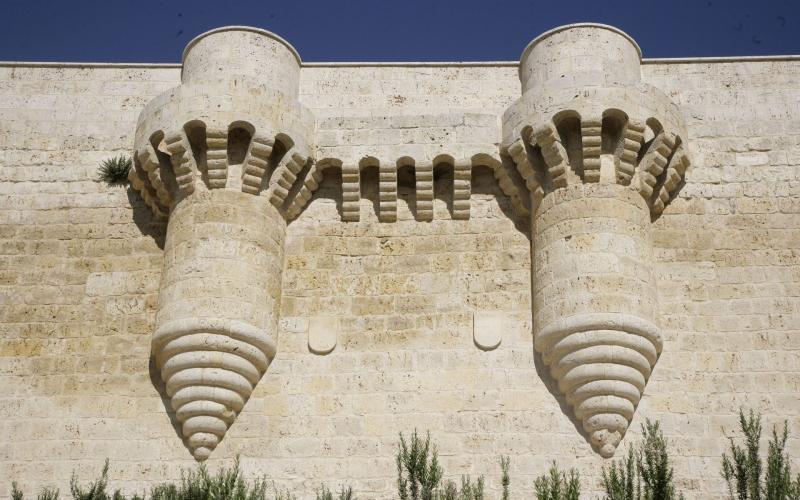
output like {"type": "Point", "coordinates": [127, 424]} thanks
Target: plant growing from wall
{"type": "Point", "coordinates": [557, 485]}
{"type": "Point", "coordinates": [114, 171]}
{"type": "Point", "coordinates": [742, 469]}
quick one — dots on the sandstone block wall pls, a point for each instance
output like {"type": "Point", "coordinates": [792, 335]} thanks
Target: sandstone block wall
{"type": "Point", "coordinates": [80, 265]}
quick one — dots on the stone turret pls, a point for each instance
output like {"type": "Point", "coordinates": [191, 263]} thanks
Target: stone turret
{"type": "Point", "coordinates": [602, 154]}
{"type": "Point", "coordinates": [218, 155]}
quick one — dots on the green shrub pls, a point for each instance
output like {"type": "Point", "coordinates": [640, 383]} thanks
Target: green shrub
{"type": "Point", "coordinates": [344, 494]}
{"type": "Point", "coordinates": [556, 485]}
{"type": "Point", "coordinates": [505, 463]}
{"type": "Point", "coordinates": [654, 465]}
{"type": "Point", "coordinates": [742, 469]}
{"type": "Point", "coordinates": [646, 473]}
{"type": "Point", "coordinates": [419, 475]}
{"type": "Point", "coordinates": [621, 480]}
{"type": "Point", "coordinates": [283, 494]}
{"type": "Point", "coordinates": [47, 494]}
{"type": "Point", "coordinates": [418, 470]}
{"type": "Point", "coordinates": [96, 491]}
{"type": "Point", "coordinates": [227, 484]}
{"type": "Point", "coordinates": [16, 494]}
{"type": "Point", "coordinates": [115, 170]}
{"type": "Point", "coordinates": [468, 490]}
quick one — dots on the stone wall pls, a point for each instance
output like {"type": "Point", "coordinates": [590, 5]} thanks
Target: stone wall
{"type": "Point", "coordinates": [80, 264]}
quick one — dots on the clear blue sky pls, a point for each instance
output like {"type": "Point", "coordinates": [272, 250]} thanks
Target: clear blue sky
{"type": "Point", "coordinates": [388, 30]}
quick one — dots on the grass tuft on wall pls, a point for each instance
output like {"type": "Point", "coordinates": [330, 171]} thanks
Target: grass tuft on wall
{"type": "Point", "coordinates": [114, 171]}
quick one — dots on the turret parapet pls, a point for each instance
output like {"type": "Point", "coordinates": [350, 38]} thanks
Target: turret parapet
{"type": "Point", "coordinates": [586, 116]}
{"type": "Point", "coordinates": [580, 55]}
{"type": "Point", "coordinates": [234, 122]}
{"type": "Point", "coordinates": [242, 56]}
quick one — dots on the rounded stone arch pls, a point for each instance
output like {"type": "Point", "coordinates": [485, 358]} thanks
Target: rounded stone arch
{"type": "Point", "coordinates": [195, 132]}
{"type": "Point", "coordinates": [194, 125]}
{"type": "Point", "coordinates": [508, 179]}
{"type": "Point", "coordinates": [368, 162]}
{"type": "Point", "coordinates": [285, 140]}
{"type": "Point", "coordinates": [652, 128]}
{"type": "Point", "coordinates": [443, 182]}
{"type": "Point", "coordinates": [159, 167]}
{"type": "Point", "coordinates": [616, 113]}
{"type": "Point", "coordinates": [405, 161]}
{"type": "Point", "coordinates": [243, 124]}
{"type": "Point", "coordinates": [406, 173]}
{"type": "Point", "coordinates": [325, 163]}
{"type": "Point", "coordinates": [443, 159]}
{"type": "Point", "coordinates": [240, 135]}
{"type": "Point", "coordinates": [156, 139]}
{"type": "Point", "coordinates": [566, 115]}
{"type": "Point", "coordinates": [655, 125]}
{"type": "Point", "coordinates": [299, 199]}
{"type": "Point", "coordinates": [613, 124]}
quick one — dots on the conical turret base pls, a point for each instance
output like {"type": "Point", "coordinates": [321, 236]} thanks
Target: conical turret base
{"type": "Point", "coordinates": [602, 363]}
{"type": "Point", "coordinates": [210, 368]}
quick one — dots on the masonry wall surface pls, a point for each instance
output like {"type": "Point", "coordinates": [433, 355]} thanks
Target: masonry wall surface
{"type": "Point", "coordinates": [80, 264]}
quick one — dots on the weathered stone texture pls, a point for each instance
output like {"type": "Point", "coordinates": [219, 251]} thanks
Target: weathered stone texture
{"type": "Point", "coordinates": [80, 266]}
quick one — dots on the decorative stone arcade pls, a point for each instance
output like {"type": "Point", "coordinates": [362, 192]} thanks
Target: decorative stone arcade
{"type": "Point", "coordinates": [589, 151]}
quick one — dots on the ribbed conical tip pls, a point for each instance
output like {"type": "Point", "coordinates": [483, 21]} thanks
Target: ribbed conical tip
{"type": "Point", "coordinates": [201, 454]}
{"type": "Point", "coordinates": [605, 442]}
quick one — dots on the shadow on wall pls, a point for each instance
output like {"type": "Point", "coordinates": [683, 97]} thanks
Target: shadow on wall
{"type": "Point", "coordinates": [158, 383]}
{"type": "Point", "coordinates": [484, 184]}
{"type": "Point", "coordinates": [144, 219]}
{"type": "Point", "coordinates": [543, 372]}
{"type": "Point", "coordinates": [330, 188]}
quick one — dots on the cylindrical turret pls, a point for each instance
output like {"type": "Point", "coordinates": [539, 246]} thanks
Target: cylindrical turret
{"type": "Point", "coordinates": [218, 156]}
{"type": "Point", "coordinates": [578, 139]}
{"type": "Point", "coordinates": [217, 308]}
{"type": "Point", "coordinates": [594, 303]}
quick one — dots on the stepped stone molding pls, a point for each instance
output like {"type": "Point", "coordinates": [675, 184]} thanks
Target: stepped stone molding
{"type": "Point", "coordinates": [589, 152]}
{"type": "Point", "coordinates": [602, 155]}
{"type": "Point", "coordinates": [210, 367]}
